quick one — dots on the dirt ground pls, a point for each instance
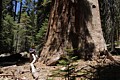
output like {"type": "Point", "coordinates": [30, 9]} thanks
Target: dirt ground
{"type": "Point", "coordinates": [22, 72]}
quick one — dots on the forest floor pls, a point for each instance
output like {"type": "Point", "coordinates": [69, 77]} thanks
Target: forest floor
{"type": "Point", "coordinates": [22, 72]}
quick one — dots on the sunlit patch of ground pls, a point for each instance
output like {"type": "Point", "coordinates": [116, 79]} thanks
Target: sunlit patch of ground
{"type": "Point", "coordinates": [103, 72]}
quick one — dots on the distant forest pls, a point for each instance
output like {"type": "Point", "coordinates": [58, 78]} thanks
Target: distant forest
{"type": "Point", "coordinates": [23, 23]}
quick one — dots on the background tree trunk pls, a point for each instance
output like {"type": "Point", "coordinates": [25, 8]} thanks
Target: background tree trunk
{"type": "Point", "coordinates": [20, 11]}
{"type": "Point", "coordinates": [0, 15]}
{"type": "Point", "coordinates": [1, 6]}
{"type": "Point", "coordinates": [0, 12]}
{"type": "Point", "coordinates": [75, 25]}
{"type": "Point", "coordinates": [15, 9]}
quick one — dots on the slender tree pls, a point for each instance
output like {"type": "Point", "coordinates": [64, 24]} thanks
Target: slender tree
{"type": "Point", "coordinates": [113, 27]}
{"type": "Point", "coordinates": [15, 9]}
{"type": "Point", "coordinates": [0, 14]}
{"type": "Point", "coordinates": [17, 33]}
{"type": "Point", "coordinates": [109, 11]}
{"type": "Point", "coordinates": [20, 11]}
{"type": "Point", "coordinates": [0, 20]}
{"type": "Point", "coordinates": [43, 9]}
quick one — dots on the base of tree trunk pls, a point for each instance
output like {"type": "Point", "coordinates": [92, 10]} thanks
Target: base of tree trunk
{"type": "Point", "coordinates": [73, 25]}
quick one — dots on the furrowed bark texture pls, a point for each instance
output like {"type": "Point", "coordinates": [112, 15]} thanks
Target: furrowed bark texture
{"type": "Point", "coordinates": [73, 24]}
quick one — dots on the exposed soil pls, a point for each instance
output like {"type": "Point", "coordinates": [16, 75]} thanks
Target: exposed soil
{"type": "Point", "coordinates": [22, 71]}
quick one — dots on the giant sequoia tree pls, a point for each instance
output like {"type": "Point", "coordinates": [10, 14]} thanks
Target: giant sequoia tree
{"type": "Point", "coordinates": [73, 24]}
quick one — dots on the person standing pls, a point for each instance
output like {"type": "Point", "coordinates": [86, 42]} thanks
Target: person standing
{"type": "Point", "coordinates": [33, 55]}
{"type": "Point", "coordinates": [33, 59]}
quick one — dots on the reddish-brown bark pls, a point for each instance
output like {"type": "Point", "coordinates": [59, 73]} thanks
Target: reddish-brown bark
{"type": "Point", "coordinates": [75, 25]}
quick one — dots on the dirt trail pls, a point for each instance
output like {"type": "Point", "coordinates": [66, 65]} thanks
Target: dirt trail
{"type": "Point", "coordinates": [22, 72]}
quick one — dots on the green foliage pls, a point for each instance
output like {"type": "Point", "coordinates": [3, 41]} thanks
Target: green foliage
{"type": "Point", "coordinates": [7, 33]}
{"type": "Point", "coordinates": [18, 37]}
{"type": "Point", "coordinates": [5, 3]}
{"type": "Point", "coordinates": [49, 79]}
{"type": "Point", "coordinates": [68, 58]}
{"type": "Point", "coordinates": [46, 2]}
{"type": "Point", "coordinates": [63, 62]}
{"type": "Point", "coordinates": [42, 30]}
{"type": "Point", "coordinates": [67, 61]}
{"type": "Point", "coordinates": [7, 6]}
{"type": "Point", "coordinates": [28, 30]}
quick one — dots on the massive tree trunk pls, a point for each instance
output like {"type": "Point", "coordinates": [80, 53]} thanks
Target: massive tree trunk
{"type": "Point", "coordinates": [75, 25]}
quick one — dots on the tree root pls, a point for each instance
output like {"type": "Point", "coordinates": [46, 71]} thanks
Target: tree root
{"type": "Point", "coordinates": [110, 57]}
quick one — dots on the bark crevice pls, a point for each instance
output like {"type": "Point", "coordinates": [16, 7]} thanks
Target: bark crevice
{"type": "Point", "coordinates": [73, 26]}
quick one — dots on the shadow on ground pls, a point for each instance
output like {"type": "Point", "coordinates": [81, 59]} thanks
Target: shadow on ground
{"type": "Point", "coordinates": [14, 59]}
{"type": "Point", "coordinates": [110, 71]}
{"type": "Point", "coordinates": [106, 71]}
